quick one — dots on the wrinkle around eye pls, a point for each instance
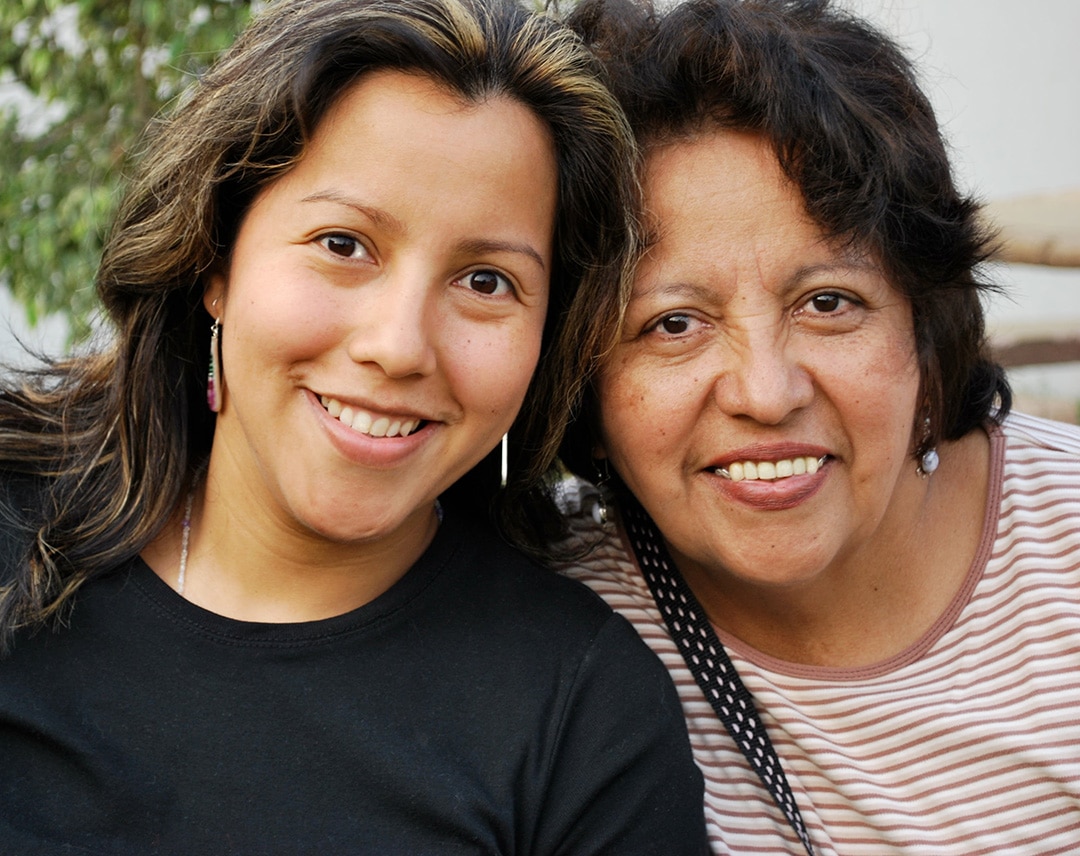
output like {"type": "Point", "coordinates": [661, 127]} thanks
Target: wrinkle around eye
{"type": "Point", "coordinates": [673, 325]}
{"type": "Point", "coordinates": [830, 312]}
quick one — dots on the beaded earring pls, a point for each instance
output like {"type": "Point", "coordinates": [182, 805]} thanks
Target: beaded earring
{"type": "Point", "coordinates": [213, 380]}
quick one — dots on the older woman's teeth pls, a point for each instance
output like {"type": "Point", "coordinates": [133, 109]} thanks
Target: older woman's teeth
{"type": "Point", "coordinates": [771, 470]}
{"type": "Point", "coordinates": [365, 423]}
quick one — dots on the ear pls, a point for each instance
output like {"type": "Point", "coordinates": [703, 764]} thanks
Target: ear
{"type": "Point", "coordinates": [214, 295]}
{"type": "Point", "coordinates": [599, 453]}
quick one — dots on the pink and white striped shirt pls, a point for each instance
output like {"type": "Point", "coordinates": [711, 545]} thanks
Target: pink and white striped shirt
{"type": "Point", "coordinates": [966, 743]}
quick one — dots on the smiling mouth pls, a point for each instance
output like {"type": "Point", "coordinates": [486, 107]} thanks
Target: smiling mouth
{"type": "Point", "coordinates": [771, 470]}
{"type": "Point", "coordinates": [371, 424]}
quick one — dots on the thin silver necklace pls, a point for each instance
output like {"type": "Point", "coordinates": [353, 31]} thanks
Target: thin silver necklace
{"type": "Point", "coordinates": [184, 539]}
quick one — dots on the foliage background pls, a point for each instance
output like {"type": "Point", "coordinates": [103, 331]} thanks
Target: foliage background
{"type": "Point", "coordinates": [90, 75]}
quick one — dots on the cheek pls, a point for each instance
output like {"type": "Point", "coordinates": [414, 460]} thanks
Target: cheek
{"type": "Point", "coordinates": [491, 370]}
{"type": "Point", "coordinates": [895, 378]}
{"type": "Point", "coordinates": [882, 409]}
{"type": "Point", "coordinates": [281, 323]}
{"type": "Point", "coordinates": [634, 416]}
{"type": "Point", "coordinates": [269, 340]}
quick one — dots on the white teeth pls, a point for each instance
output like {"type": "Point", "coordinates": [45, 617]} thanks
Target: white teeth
{"type": "Point", "coordinates": [379, 427]}
{"type": "Point", "coordinates": [361, 421]}
{"type": "Point", "coordinates": [365, 423]}
{"type": "Point", "coordinates": [771, 470]}
{"type": "Point", "coordinates": [333, 407]}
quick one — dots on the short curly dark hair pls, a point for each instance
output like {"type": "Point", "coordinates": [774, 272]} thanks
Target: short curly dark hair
{"type": "Point", "coordinates": [843, 111]}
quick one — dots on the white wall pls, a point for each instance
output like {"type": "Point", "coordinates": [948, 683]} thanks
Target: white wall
{"type": "Point", "coordinates": [1004, 77]}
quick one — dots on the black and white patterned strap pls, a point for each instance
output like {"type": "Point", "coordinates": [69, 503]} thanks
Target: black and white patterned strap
{"type": "Point", "coordinates": [709, 662]}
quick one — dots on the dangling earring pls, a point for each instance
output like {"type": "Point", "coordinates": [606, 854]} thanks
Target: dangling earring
{"type": "Point", "coordinates": [929, 459]}
{"type": "Point", "coordinates": [928, 462]}
{"type": "Point", "coordinates": [505, 469]}
{"type": "Point", "coordinates": [599, 511]}
{"type": "Point", "coordinates": [213, 380]}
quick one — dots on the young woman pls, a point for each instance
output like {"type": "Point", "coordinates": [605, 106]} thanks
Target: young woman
{"type": "Point", "coordinates": [863, 574]}
{"type": "Point", "coordinates": [281, 623]}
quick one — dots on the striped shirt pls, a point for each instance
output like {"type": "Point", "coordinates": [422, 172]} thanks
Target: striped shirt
{"type": "Point", "coordinates": [966, 743]}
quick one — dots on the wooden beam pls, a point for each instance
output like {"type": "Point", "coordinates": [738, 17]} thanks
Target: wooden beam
{"type": "Point", "coordinates": [1031, 352]}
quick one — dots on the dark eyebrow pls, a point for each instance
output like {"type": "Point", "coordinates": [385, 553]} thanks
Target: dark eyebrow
{"type": "Point", "coordinates": [839, 271]}
{"type": "Point", "coordinates": [382, 219]}
{"type": "Point", "coordinates": [385, 220]}
{"type": "Point", "coordinates": [481, 246]}
{"type": "Point", "coordinates": [696, 292]}
{"type": "Point", "coordinates": [848, 265]}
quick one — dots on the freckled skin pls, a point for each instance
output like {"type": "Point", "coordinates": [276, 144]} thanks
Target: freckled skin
{"type": "Point", "coordinates": [748, 330]}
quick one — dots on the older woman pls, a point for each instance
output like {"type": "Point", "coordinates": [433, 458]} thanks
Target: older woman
{"type": "Point", "coordinates": [863, 574]}
{"type": "Point", "coordinates": [283, 623]}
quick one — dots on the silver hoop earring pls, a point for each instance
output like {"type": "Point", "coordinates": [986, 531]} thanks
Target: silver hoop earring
{"type": "Point", "coordinates": [505, 467]}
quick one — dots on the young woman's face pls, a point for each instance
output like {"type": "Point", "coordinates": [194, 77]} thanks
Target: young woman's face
{"type": "Point", "coordinates": [755, 346]}
{"type": "Point", "coordinates": [382, 308]}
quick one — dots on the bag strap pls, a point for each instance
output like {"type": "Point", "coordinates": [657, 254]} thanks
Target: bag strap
{"type": "Point", "coordinates": [709, 662]}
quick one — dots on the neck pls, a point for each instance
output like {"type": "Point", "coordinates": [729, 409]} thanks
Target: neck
{"type": "Point", "coordinates": [875, 602]}
{"type": "Point", "coordinates": [252, 567]}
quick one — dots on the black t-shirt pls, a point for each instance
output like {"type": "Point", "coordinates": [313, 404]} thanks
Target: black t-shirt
{"type": "Point", "coordinates": [482, 705]}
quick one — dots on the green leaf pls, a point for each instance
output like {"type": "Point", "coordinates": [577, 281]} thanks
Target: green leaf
{"type": "Point", "coordinates": [60, 187]}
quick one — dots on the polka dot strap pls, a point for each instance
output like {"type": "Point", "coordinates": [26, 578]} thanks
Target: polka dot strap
{"type": "Point", "coordinates": [709, 663]}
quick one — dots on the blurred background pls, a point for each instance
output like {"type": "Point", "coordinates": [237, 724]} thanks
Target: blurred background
{"type": "Point", "coordinates": [1004, 78]}
{"type": "Point", "coordinates": [78, 80]}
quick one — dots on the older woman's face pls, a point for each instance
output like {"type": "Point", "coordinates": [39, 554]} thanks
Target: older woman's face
{"type": "Point", "coordinates": [762, 399]}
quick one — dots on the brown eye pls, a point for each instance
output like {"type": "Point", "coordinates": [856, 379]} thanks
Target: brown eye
{"type": "Point", "coordinates": [342, 245]}
{"type": "Point", "coordinates": [487, 282]}
{"type": "Point", "coordinates": [674, 325]}
{"type": "Point", "coordinates": [826, 302]}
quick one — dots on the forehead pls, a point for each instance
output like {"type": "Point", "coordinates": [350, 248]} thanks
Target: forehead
{"type": "Point", "coordinates": [410, 134]}
{"type": "Point", "coordinates": [725, 175]}
{"type": "Point", "coordinates": [428, 104]}
{"type": "Point", "coordinates": [720, 201]}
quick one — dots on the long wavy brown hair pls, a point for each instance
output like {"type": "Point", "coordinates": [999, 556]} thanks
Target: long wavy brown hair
{"type": "Point", "coordinates": [97, 450]}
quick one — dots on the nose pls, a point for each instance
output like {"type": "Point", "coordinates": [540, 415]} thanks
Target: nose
{"type": "Point", "coordinates": [396, 325]}
{"type": "Point", "coordinates": [762, 377]}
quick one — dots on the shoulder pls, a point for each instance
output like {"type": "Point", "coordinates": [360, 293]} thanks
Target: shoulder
{"type": "Point", "coordinates": [499, 579]}
{"type": "Point", "coordinates": [1025, 433]}
{"type": "Point", "coordinates": [537, 612]}
{"type": "Point", "coordinates": [20, 500]}
{"type": "Point", "coordinates": [1038, 501]}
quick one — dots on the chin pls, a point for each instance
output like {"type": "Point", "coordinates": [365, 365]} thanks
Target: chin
{"type": "Point", "coordinates": [338, 525]}
{"type": "Point", "coordinates": [764, 572]}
